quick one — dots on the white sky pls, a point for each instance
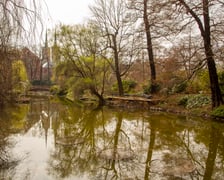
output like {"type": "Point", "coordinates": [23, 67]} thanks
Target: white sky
{"type": "Point", "coordinates": [68, 11]}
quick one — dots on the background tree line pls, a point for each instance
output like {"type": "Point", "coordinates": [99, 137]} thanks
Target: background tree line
{"type": "Point", "coordinates": [177, 43]}
{"type": "Point", "coordinates": [180, 40]}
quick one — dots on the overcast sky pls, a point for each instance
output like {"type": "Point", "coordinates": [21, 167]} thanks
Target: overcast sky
{"type": "Point", "coordinates": [68, 11]}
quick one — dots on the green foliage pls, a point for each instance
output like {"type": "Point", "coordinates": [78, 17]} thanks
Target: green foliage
{"type": "Point", "coordinates": [194, 101]}
{"type": "Point", "coordinates": [183, 101]}
{"type": "Point", "coordinates": [128, 86]}
{"type": "Point", "coordinates": [200, 83]}
{"type": "Point", "coordinates": [19, 70]}
{"type": "Point", "coordinates": [60, 91]}
{"type": "Point", "coordinates": [19, 78]}
{"type": "Point", "coordinates": [54, 89]}
{"type": "Point", "coordinates": [218, 112]}
{"type": "Point", "coordinates": [148, 89]}
{"type": "Point", "coordinates": [87, 82]}
{"type": "Point", "coordinates": [179, 88]}
{"type": "Point", "coordinates": [221, 81]}
{"type": "Point", "coordinates": [78, 88]}
{"type": "Point", "coordinates": [83, 68]}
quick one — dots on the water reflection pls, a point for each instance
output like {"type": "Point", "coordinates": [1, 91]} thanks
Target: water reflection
{"type": "Point", "coordinates": [10, 123]}
{"type": "Point", "coordinates": [215, 137]}
{"type": "Point", "coordinates": [55, 141]}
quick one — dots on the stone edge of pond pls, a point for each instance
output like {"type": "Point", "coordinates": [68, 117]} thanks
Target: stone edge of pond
{"type": "Point", "coordinates": [154, 106]}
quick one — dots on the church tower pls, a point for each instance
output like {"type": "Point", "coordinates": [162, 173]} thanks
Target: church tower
{"type": "Point", "coordinates": [46, 61]}
{"type": "Point", "coordinates": [55, 51]}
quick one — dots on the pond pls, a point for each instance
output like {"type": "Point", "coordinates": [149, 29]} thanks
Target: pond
{"type": "Point", "coordinates": [49, 140]}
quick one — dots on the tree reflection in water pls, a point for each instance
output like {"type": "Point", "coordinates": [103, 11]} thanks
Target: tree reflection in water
{"type": "Point", "coordinates": [10, 124]}
{"type": "Point", "coordinates": [215, 137]}
{"type": "Point", "coordinates": [117, 144]}
{"type": "Point", "coordinates": [4, 145]}
{"type": "Point", "coordinates": [152, 139]}
{"type": "Point", "coordinates": [120, 145]}
{"type": "Point", "coordinates": [101, 151]}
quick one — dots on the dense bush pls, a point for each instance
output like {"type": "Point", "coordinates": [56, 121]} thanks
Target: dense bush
{"type": "Point", "coordinates": [128, 86]}
{"type": "Point", "coordinates": [56, 90]}
{"type": "Point", "coordinates": [179, 88]}
{"type": "Point", "coordinates": [19, 77]}
{"type": "Point", "coordinates": [218, 112]}
{"type": "Point", "coordinates": [221, 81]}
{"type": "Point", "coordinates": [183, 101]}
{"type": "Point", "coordinates": [148, 89]}
{"type": "Point", "coordinates": [200, 82]}
{"type": "Point", "coordinates": [194, 101]}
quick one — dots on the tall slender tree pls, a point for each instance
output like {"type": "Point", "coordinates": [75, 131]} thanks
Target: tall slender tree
{"type": "Point", "coordinates": [149, 46]}
{"type": "Point", "coordinates": [112, 16]}
{"type": "Point", "coordinates": [154, 22]}
{"type": "Point", "coordinates": [203, 22]}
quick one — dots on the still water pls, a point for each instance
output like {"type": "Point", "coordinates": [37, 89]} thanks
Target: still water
{"type": "Point", "coordinates": [48, 140]}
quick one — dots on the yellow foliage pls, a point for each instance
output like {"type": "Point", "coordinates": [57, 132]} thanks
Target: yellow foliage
{"type": "Point", "coordinates": [20, 79]}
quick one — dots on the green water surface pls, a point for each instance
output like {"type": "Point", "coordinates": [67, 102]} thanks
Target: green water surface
{"type": "Point", "coordinates": [48, 140]}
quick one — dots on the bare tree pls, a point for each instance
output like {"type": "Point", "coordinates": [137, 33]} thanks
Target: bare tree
{"type": "Point", "coordinates": [200, 12]}
{"type": "Point", "coordinates": [16, 19]}
{"type": "Point", "coordinates": [189, 53]}
{"type": "Point", "coordinates": [112, 16]}
{"type": "Point", "coordinates": [155, 23]}
{"type": "Point", "coordinates": [149, 45]}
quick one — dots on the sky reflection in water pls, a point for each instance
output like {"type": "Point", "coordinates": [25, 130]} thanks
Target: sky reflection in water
{"type": "Point", "coordinates": [48, 140]}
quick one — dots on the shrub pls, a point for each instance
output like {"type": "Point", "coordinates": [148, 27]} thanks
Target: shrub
{"type": "Point", "coordinates": [183, 101]}
{"type": "Point", "coordinates": [200, 82]}
{"type": "Point", "coordinates": [179, 88]}
{"type": "Point", "coordinates": [148, 89]}
{"type": "Point", "coordinates": [19, 77]}
{"type": "Point", "coordinates": [198, 101]}
{"type": "Point", "coordinates": [221, 81]}
{"type": "Point", "coordinates": [128, 85]}
{"type": "Point", "coordinates": [194, 101]}
{"type": "Point", "coordinates": [62, 92]}
{"type": "Point", "coordinates": [218, 112]}
{"type": "Point", "coordinates": [54, 89]}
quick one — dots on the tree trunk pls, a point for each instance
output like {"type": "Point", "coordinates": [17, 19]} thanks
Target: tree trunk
{"type": "Point", "coordinates": [101, 100]}
{"type": "Point", "coordinates": [206, 35]}
{"type": "Point", "coordinates": [149, 48]}
{"type": "Point", "coordinates": [150, 150]}
{"type": "Point", "coordinates": [117, 68]}
{"type": "Point", "coordinates": [215, 137]}
{"type": "Point", "coordinates": [215, 89]}
{"type": "Point", "coordinates": [214, 83]}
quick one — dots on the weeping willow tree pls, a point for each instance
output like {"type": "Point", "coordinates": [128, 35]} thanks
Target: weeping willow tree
{"type": "Point", "coordinates": [83, 66]}
{"type": "Point", "coordinates": [18, 21]}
